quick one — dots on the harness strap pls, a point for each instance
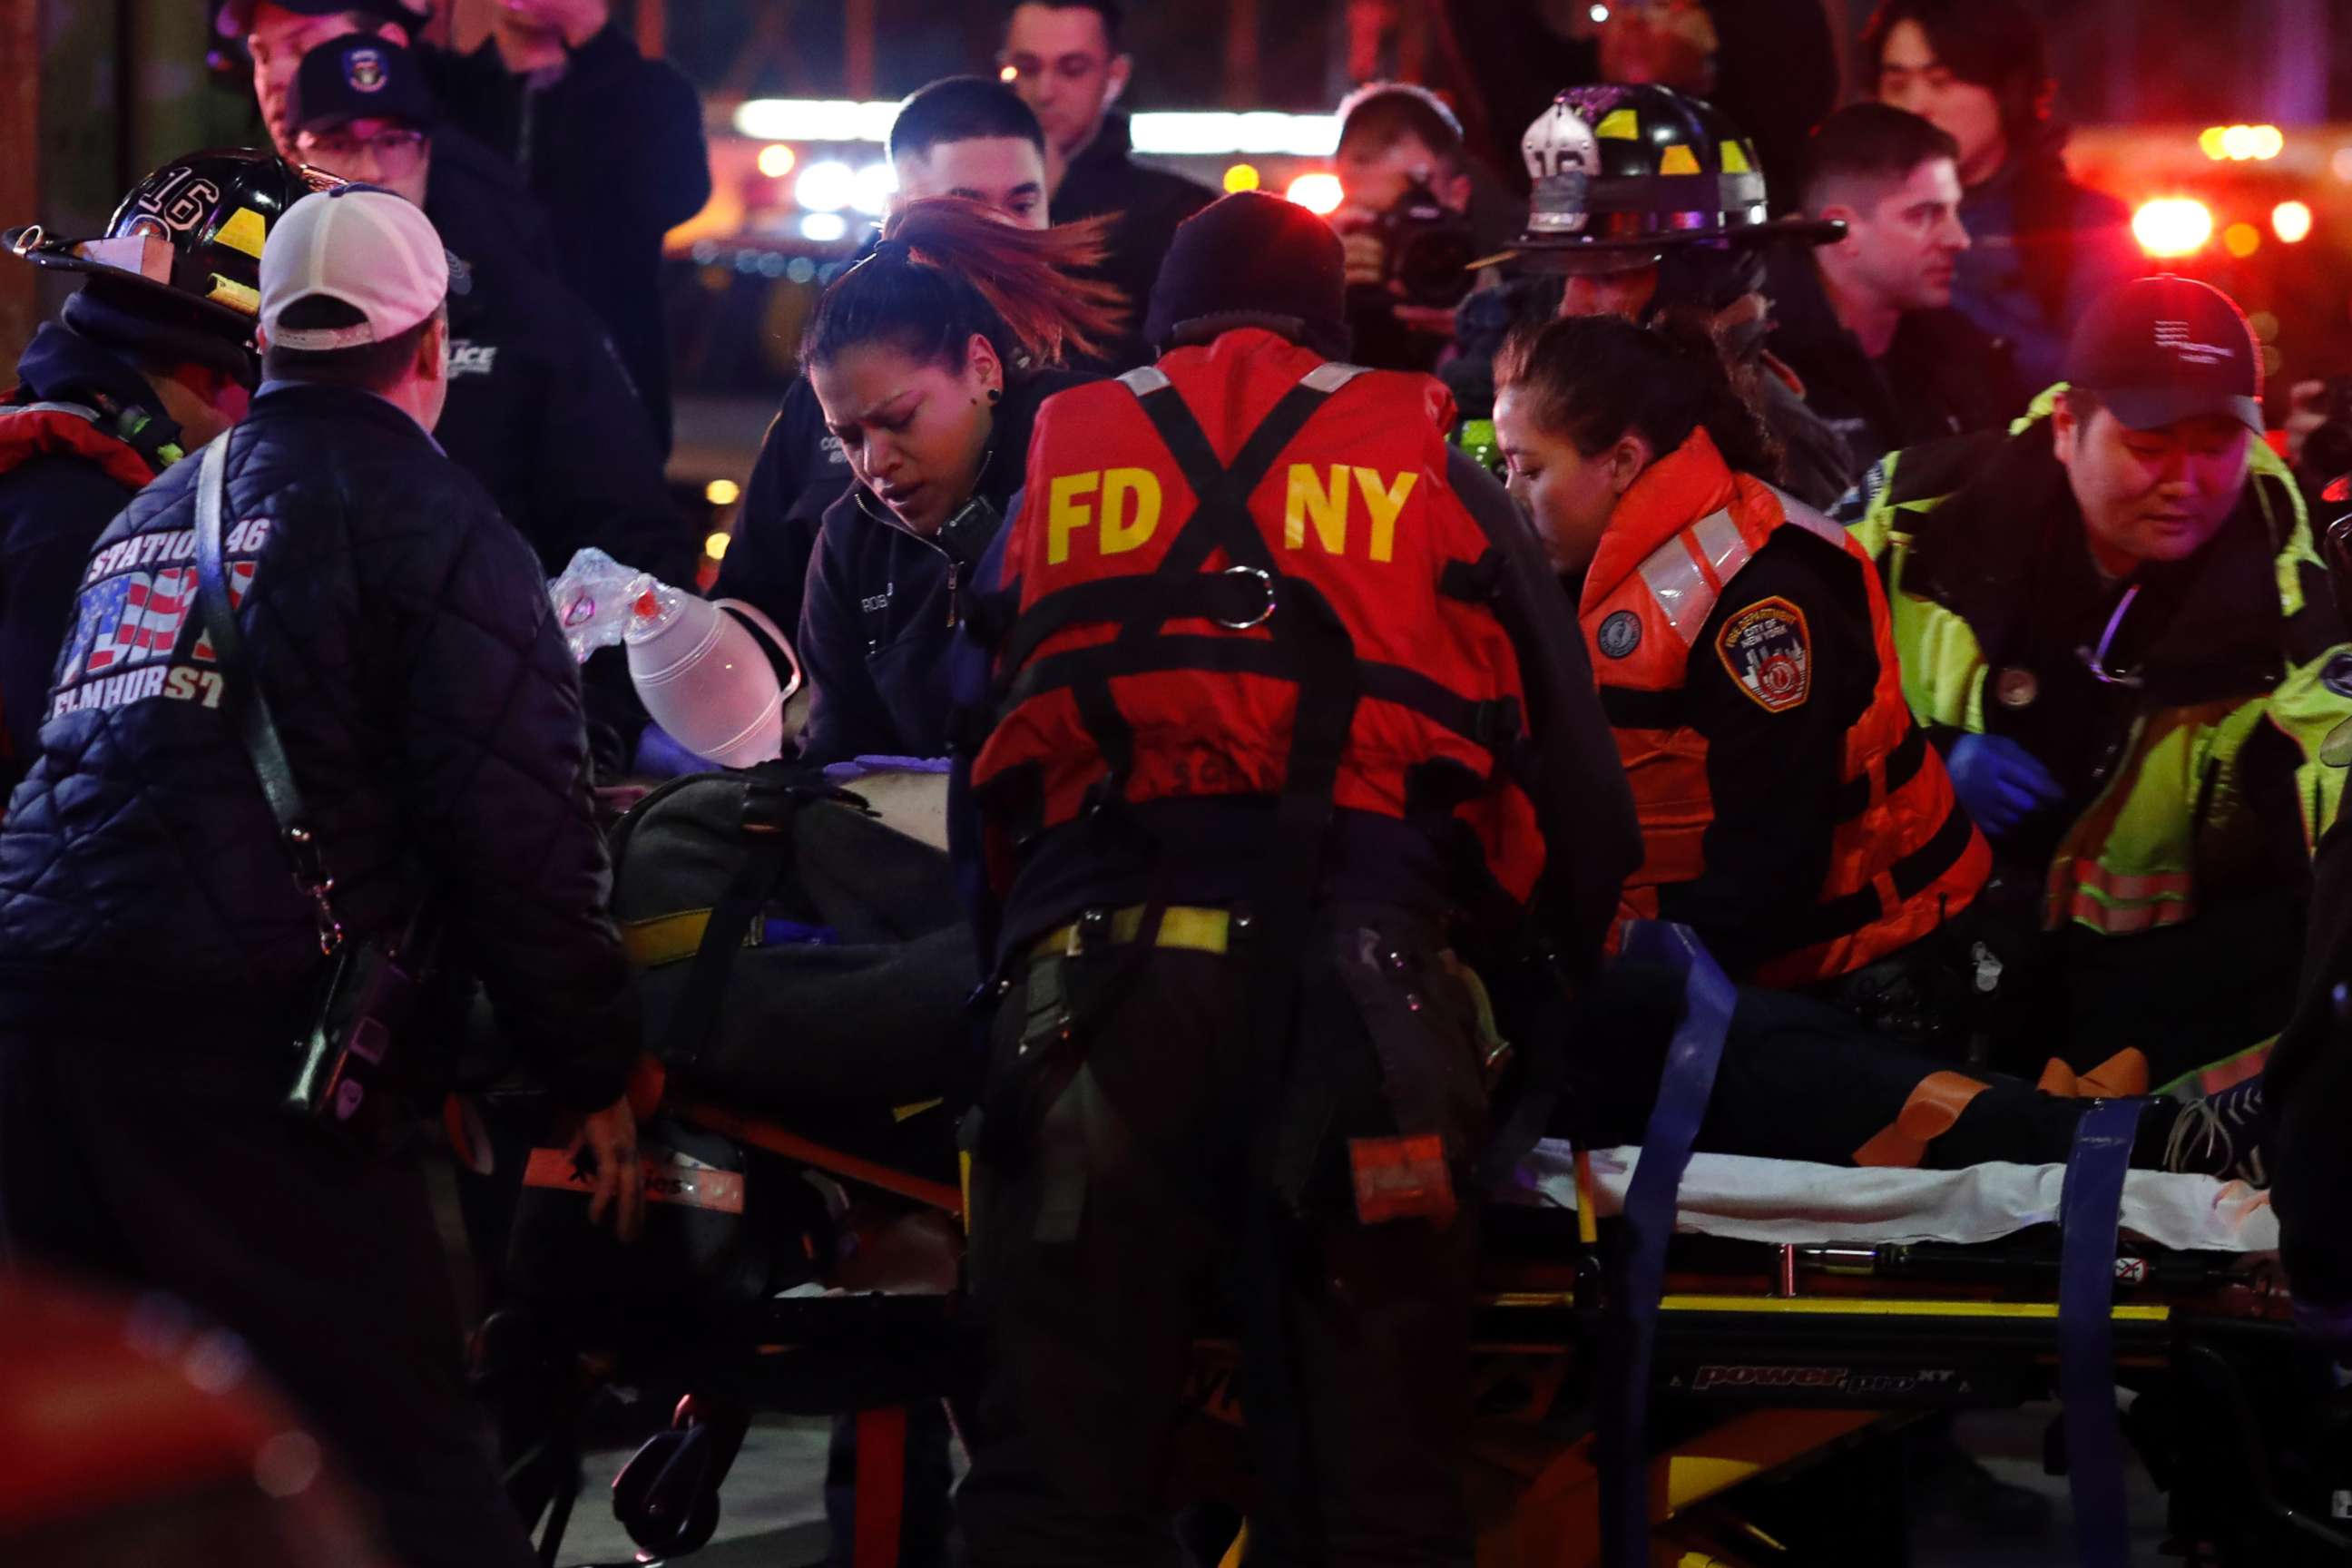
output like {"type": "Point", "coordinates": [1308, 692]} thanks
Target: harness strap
{"type": "Point", "coordinates": [2086, 1353]}
{"type": "Point", "coordinates": [770, 806]}
{"type": "Point", "coordinates": [1898, 768]}
{"type": "Point", "coordinates": [1629, 1332]}
{"type": "Point", "coordinates": [1905, 880]}
{"type": "Point", "coordinates": [1495, 725]}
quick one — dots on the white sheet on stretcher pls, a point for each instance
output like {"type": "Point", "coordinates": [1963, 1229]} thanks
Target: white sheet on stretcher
{"type": "Point", "coordinates": [1790, 1201]}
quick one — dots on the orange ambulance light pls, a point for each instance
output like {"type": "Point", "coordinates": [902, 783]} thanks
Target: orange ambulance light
{"type": "Point", "coordinates": [1319, 194]}
{"type": "Point", "coordinates": [2291, 221]}
{"type": "Point", "coordinates": [776, 160]}
{"type": "Point", "coordinates": [1242, 177]}
{"type": "Point", "coordinates": [2172, 225]}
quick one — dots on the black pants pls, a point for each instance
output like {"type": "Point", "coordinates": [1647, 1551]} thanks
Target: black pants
{"type": "Point", "coordinates": [1799, 1081]}
{"type": "Point", "coordinates": [1103, 1245]}
{"type": "Point", "coordinates": [327, 1264]}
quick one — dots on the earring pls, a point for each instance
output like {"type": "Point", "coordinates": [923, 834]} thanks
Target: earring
{"type": "Point", "coordinates": [995, 395]}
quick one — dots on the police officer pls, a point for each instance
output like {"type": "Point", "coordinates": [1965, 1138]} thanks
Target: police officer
{"type": "Point", "coordinates": [1651, 202]}
{"type": "Point", "coordinates": [1284, 717]}
{"type": "Point", "coordinates": [960, 136]}
{"type": "Point", "coordinates": [2114, 624]}
{"type": "Point", "coordinates": [150, 359]}
{"type": "Point", "coordinates": [539, 409]}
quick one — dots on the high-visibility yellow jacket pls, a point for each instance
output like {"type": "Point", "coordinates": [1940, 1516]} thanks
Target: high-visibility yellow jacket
{"type": "Point", "coordinates": [2237, 669]}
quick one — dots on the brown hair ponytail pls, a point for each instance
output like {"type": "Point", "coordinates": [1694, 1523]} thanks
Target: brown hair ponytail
{"type": "Point", "coordinates": [948, 268]}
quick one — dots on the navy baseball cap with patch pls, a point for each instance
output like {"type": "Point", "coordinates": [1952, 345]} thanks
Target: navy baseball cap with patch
{"type": "Point", "coordinates": [2160, 350]}
{"type": "Point", "coordinates": [359, 77]}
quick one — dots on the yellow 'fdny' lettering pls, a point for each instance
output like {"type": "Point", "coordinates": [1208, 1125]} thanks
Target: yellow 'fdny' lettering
{"type": "Point", "coordinates": [1310, 498]}
{"type": "Point", "coordinates": [1131, 509]}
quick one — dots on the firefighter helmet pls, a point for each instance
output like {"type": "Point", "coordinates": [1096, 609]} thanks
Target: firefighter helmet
{"type": "Point", "coordinates": [186, 242]}
{"type": "Point", "coordinates": [1623, 175]}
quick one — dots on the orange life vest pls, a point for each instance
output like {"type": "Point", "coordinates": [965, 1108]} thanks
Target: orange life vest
{"type": "Point", "coordinates": [1225, 557]}
{"type": "Point", "coordinates": [1903, 854]}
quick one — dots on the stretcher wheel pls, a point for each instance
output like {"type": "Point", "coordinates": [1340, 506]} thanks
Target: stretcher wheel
{"type": "Point", "coordinates": [667, 1496]}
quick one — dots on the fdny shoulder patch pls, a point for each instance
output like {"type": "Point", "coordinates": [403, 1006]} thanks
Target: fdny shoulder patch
{"type": "Point", "coordinates": [1620, 634]}
{"type": "Point", "coordinates": [1768, 650]}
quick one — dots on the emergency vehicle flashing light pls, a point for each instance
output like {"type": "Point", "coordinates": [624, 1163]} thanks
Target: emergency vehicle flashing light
{"type": "Point", "coordinates": [1214, 133]}
{"type": "Point", "coordinates": [2291, 221]}
{"type": "Point", "coordinates": [2172, 225]}
{"type": "Point", "coordinates": [1319, 194]}
{"type": "Point", "coordinates": [776, 160]}
{"type": "Point", "coordinates": [823, 228]}
{"type": "Point", "coordinates": [721, 492]}
{"type": "Point", "coordinates": [871, 191]}
{"type": "Point", "coordinates": [1242, 177]}
{"type": "Point", "coordinates": [826, 187]}
{"type": "Point", "coordinates": [716, 546]}
{"type": "Point", "coordinates": [2241, 143]}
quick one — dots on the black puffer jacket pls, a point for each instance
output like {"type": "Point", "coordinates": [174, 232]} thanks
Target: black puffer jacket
{"type": "Point", "coordinates": [432, 716]}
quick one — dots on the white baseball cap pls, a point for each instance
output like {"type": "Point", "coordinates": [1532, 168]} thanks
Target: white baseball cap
{"type": "Point", "coordinates": [364, 247]}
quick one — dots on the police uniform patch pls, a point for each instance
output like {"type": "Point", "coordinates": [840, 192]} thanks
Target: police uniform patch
{"type": "Point", "coordinates": [1620, 634]}
{"type": "Point", "coordinates": [363, 69]}
{"type": "Point", "coordinates": [1767, 648]}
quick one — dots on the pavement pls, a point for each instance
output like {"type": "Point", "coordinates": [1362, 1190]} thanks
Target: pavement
{"type": "Point", "coordinates": [773, 1510]}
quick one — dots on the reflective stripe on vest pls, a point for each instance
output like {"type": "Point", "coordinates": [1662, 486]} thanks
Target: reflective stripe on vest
{"type": "Point", "coordinates": [1902, 854]}
{"type": "Point", "coordinates": [1154, 635]}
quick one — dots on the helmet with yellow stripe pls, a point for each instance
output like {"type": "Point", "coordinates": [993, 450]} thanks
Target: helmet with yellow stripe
{"type": "Point", "coordinates": [1623, 175]}
{"type": "Point", "coordinates": [186, 240]}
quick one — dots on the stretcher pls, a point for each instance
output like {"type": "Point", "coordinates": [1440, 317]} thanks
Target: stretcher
{"type": "Point", "coordinates": [1807, 1314]}
{"type": "Point", "coordinates": [1666, 1342]}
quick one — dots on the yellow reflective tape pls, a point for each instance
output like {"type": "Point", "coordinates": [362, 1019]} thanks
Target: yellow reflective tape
{"type": "Point", "coordinates": [235, 295]}
{"type": "Point", "coordinates": [244, 231]}
{"type": "Point", "coordinates": [1734, 157]}
{"type": "Point", "coordinates": [1620, 125]}
{"type": "Point", "coordinates": [1690, 1477]}
{"type": "Point", "coordinates": [664, 939]}
{"type": "Point", "coordinates": [1678, 160]}
{"type": "Point", "coordinates": [1185, 926]}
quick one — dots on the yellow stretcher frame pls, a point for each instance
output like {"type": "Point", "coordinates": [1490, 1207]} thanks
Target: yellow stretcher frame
{"type": "Point", "coordinates": [1535, 1498]}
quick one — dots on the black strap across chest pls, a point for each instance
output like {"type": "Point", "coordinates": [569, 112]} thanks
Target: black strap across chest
{"type": "Point", "coordinates": [1247, 592]}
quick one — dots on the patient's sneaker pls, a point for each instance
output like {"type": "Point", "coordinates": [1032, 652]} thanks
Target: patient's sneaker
{"type": "Point", "coordinates": [2221, 1135]}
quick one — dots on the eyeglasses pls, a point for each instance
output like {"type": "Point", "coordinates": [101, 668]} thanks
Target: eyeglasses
{"type": "Point", "coordinates": [397, 152]}
{"type": "Point", "coordinates": [1071, 67]}
{"type": "Point", "coordinates": [2095, 659]}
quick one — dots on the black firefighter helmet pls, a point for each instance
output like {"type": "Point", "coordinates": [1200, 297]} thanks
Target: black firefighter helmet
{"type": "Point", "coordinates": [184, 247]}
{"type": "Point", "coordinates": [1624, 175]}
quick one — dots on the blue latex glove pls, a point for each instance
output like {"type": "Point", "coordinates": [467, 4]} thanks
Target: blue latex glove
{"type": "Point", "coordinates": [2000, 781]}
{"type": "Point", "coordinates": [660, 756]}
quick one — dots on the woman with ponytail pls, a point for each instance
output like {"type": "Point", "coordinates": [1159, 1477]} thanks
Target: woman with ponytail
{"type": "Point", "coordinates": [1791, 812]}
{"type": "Point", "coordinates": [930, 359]}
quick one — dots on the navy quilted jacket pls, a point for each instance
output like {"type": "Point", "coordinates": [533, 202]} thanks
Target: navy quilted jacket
{"type": "Point", "coordinates": [432, 715]}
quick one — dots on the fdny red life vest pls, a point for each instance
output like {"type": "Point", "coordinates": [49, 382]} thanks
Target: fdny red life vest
{"type": "Point", "coordinates": [1195, 541]}
{"type": "Point", "coordinates": [1903, 854]}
